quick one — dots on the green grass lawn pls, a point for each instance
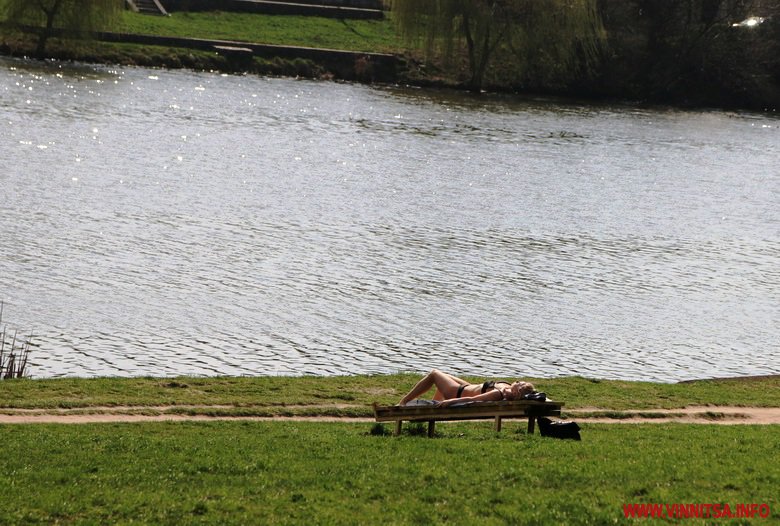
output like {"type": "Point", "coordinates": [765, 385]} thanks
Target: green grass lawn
{"type": "Point", "coordinates": [353, 35]}
{"type": "Point", "coordinates": [285, 472]}
{"type": "Point", "coordinates": [322, 473]}
{"type": "Point", "coordinates": [358, 392]}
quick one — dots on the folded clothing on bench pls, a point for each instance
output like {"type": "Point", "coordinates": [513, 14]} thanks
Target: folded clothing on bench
{"type": "Point", "coordinates": [535, 396]}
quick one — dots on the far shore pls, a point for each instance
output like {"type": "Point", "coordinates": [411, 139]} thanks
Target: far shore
{"type": "Point", "coordinates": [236, 56]}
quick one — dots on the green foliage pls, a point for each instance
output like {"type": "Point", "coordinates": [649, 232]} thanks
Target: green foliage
{"type": "Point", "coordinates": [689, 49]}
{"type": "Point", "coordinates": [318, 473]}
{"type": "Point", "coordinates": [559, 36]}
{"type": "Point", "coordinates": [78, 15]}
{"type": "Point", "coordinates": [72, 16]}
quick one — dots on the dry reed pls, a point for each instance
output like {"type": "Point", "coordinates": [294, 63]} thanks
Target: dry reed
{"type": "Point", "coordinates": [13, 359]}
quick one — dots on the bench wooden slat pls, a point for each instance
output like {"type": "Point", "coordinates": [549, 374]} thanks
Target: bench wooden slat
{"type": "Point", "coordinates": [470, 411]}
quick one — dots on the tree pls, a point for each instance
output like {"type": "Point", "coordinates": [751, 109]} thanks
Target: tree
{"type": "Point", "coordinates": [568, 33]}
{"type": "Point", "coordinates": [50, 16]}
{"type": "Point", "coordinates": [691, 50]}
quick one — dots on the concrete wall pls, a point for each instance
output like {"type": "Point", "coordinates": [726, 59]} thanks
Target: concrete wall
{"type": "Point", "coordinates": [349, 65]}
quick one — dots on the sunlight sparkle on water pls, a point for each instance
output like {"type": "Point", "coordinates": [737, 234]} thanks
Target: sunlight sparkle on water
{"type": "Point", "coordinates": [640, 249]}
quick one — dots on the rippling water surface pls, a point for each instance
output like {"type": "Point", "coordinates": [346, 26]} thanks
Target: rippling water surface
{"type": "Point", "coordinates": [166, 223]}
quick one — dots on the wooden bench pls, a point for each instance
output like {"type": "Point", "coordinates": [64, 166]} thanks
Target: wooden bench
{"type": "Point", "coordinates": [468, 411]}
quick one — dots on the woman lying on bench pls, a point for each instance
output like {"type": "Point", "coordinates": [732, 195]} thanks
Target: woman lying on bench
{"type": "Point", "coordinates": [451, 390]}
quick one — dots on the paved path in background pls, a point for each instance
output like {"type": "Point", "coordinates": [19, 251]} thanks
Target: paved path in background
{"type": "Point", "coordinates": [693, 414]}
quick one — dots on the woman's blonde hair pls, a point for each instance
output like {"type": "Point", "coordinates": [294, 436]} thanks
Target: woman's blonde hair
{"type": "Point", "coordinates": [518, 390]}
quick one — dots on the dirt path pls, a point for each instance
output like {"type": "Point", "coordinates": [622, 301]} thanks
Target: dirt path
{"type": "Point", "coordinates": [693, 414]}
{"type": "Point", "coordinates": [688, 415]}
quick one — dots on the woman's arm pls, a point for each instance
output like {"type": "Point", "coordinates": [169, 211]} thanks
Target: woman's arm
{"type": "Point", "coordinates": [491, 396]}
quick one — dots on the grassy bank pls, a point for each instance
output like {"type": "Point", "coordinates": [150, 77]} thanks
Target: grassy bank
{"type": "Point", "coordinates": [377, 36]}
{"type": "Point", "coordinates": [353, 395]}
{"type": "Point", "coordinates": [317, 473]}
{"type": "Point", "coordinates": [346, 35]}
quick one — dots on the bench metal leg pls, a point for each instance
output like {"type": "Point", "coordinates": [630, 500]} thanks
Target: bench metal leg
{"type": "Point", "coordinates": [397, 427]}
{"type": "Point", "coordinates": [498, 424]}
{"type": "Point", "coordinates": [431, 428]}
{"type": "Point", "coordinates": [531, 421]}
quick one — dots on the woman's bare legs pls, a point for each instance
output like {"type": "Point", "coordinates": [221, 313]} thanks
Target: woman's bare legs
{"type": "Point", "coordinates": [446, 386]}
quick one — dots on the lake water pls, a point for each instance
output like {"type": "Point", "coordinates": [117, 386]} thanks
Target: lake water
{"type": "Point", "coordinates": [180, 223]}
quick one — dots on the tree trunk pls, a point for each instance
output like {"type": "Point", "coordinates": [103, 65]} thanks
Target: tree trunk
{"type": "Point", "coordinates": [469, 45]}
{"type": "Point", "coordinates": [479, 68]}
{"type": "Point", "coordinates": [46, 33]}
{"type": "Point", "coordinates": [43, 37]}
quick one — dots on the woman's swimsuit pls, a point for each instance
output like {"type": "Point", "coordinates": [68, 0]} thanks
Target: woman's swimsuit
{"type": "Point", "coordinates": [491, 384]}
{"type": "Point", "coordinates": [488, 385]}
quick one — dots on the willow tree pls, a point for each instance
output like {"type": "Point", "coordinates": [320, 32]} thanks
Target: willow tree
{"type": "Point", "coordinates": [48, 17]}
{"type": "Point", "coordinates": [568, 32]}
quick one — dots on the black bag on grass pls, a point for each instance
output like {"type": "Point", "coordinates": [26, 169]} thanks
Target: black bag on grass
{"type": "Point", "coordinates": [558, 429]}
